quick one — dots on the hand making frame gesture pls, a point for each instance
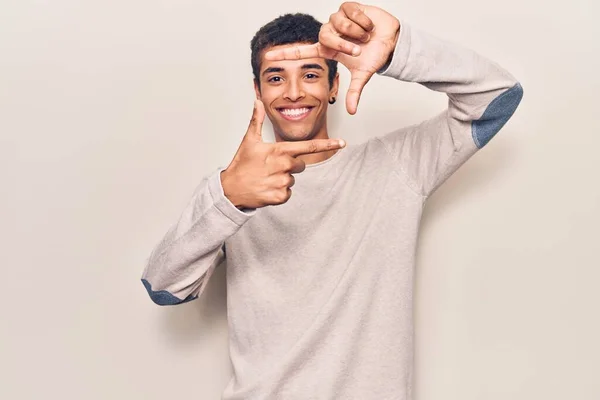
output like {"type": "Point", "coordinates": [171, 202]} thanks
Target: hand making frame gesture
{"type": "Point", "coordinates": [360, 37]}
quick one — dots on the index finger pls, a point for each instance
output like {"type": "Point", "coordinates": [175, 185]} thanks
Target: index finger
{"type": "Point", "coordinates": [297, 52]}
{"type": "Point", "coordinates": [310, 146]}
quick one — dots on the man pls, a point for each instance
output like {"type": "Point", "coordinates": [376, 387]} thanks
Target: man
{"type": "Point", "coordinates": [320, 283]}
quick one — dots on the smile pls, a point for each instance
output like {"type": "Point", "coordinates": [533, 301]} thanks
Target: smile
{"type": "Point", "coordinates": [295, 114]}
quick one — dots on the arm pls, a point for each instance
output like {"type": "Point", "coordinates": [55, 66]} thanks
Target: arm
{"type": "Point", "coordinates": [180, 265]}
{"type": "Point", "coordinates": [482, 97]}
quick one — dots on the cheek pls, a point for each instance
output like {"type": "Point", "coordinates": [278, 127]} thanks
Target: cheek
{"type": "Point", "coordinates": [320, 90]}
{"type": "Point", "coordinates": [267, 97]}
{"type": "Point", "coordinates": [268, 92]}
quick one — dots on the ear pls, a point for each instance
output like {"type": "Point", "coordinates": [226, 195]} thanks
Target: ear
{"type": "Point", "coordinates": [335, 86]}
{"type": "Point", "coordinates": [257, 89]}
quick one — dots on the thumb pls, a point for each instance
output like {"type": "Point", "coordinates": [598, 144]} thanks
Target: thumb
{"type": "Point", "coordinates": [358, 80]}
{"type": "Point", "coordinates": [254, 131]}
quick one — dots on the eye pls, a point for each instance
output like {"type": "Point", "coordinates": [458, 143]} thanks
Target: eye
{"type": "Point", "coordinates": [272, 79]}
{"type": "Point", "coordinates": [309, 75]}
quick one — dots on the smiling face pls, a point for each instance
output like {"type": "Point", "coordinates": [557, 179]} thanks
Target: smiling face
{"type": "Point", "coordinates": [296, 95]}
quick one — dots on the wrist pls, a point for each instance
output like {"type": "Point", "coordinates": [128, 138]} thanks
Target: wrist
{"type": "Point", "coordinates": [388, 61]}
{"type": "Point", "coordinates": [228, 190]}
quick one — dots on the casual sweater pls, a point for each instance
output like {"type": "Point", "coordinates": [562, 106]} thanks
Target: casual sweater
{"type": "Point", "coordinates": [320, 288]}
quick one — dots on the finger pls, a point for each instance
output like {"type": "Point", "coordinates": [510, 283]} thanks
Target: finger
{"type": "Point", "coordinates": [348, 28]}
{"type": "Point", "coordinates": [310, 146]}
{"type": "Point", "coordinates": [298, 166]}
{"type": "Point", "coordinates": [331, 39]}
{"type": "Point", "coordinates": [254, 131]}
{"type": "Point", "coordinates": [294, 165]}
{"type": "Point", "coordinates": [355, 12]}
{"type": "Point", "coordinates": [292, 180]}
{"type": "Point", "coordinates": [358, 80]}
{"type": "Point", "coordinates": [294, 53]}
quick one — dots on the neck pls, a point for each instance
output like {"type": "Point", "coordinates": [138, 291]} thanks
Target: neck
{"type": "Point", "coordinates": [312, 158]}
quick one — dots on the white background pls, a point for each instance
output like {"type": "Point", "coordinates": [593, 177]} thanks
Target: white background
{"type": "Point", "coordinates": [112, 111]}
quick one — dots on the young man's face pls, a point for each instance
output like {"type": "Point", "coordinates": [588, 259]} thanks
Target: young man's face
{"type": "Point", "coordinates": [296, 95]}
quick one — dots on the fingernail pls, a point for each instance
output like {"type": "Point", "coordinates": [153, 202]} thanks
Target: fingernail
{"type": "Point", "coordinates": [342, 142]}
{"type": "Point", "coordinates": [355, 50]}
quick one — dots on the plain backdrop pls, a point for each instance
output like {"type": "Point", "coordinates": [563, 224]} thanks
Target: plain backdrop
{"type": "Point", "coordinates": [111, 112]}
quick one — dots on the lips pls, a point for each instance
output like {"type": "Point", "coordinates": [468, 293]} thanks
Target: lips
{"type": "Point", "coordinates": [295, 113]}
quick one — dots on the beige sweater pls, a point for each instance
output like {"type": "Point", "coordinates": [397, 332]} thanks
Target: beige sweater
{"type": "Point", "coordinates": [320, 289]}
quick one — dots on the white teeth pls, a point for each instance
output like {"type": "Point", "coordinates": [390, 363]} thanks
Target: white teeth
{"type": "Point", "coordinates": [294, 111]}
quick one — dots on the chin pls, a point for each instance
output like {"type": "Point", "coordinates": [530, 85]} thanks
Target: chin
{"type": "Point", "coordinates": [297, 134]}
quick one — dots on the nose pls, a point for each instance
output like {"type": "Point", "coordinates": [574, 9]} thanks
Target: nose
{"type": "Point", "coordinates": [293, 91]}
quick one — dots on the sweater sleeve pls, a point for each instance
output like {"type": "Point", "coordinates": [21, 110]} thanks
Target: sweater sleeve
{"type": "Point", "coordinates": [482, 97]}
{"type": "Point", "coordinates": [182, 262]}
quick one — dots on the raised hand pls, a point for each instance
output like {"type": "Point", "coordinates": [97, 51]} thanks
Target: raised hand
{"type": "Point", "coordinates": [260, 173]}
{"type": "Point", "coordinates": [360, 37]}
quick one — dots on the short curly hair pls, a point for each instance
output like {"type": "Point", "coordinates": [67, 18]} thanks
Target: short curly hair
{"type": "Point", "coordinates": [286, 29]}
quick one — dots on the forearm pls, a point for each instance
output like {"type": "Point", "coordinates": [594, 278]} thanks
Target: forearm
{"type": "Point", "coordinates": [470, 80]}
{"type": "Point", "coordinates": [482, 97]}
{"type": "Point", "coordinates": [178, 266]}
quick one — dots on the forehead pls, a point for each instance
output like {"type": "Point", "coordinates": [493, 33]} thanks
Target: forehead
{"type": "Point", "coordinates": [288, 64]}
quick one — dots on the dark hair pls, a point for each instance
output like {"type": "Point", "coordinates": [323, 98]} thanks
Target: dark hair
{"type": "Point", "coordinates": [286, 29]}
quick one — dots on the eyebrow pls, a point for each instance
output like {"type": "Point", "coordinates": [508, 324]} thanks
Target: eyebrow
{"type": "Point", "coordinates": [280, 69]}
